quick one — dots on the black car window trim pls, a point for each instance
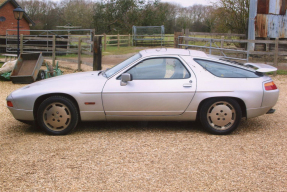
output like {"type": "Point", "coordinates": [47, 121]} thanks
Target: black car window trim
{"type": "Point", "coordinates": [254, 72]}
{"type": "Point", "coordinates": [127, 66]}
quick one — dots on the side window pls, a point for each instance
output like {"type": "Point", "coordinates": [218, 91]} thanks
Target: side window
{"type": "Point", "coordinates": [224, 70]}
{"type": "Point", "coordinates": [159, 68]}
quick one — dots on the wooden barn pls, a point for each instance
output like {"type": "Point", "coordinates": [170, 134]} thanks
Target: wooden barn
{"type": "Point", "coordinates": [7, 20]}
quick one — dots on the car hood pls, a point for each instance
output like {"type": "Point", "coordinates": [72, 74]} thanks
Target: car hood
{"type": "Point", "coordinates": [71, 83]}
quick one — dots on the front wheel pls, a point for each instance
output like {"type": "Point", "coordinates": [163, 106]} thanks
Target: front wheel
{"type": "Point", "coordinates": [220, 115]}
{"type": "Point", "coordinates": [57, 115]}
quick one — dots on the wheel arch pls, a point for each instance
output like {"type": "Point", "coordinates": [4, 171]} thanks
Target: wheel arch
{"type": "Point", "coordinates": [238, 100]}
{"type": "Point", "coordinates": [40, 99]}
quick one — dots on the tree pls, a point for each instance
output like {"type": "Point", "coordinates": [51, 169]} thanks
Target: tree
{"type": "Point", "coordinates": [45, 14]}
{"type": "Point", "coordinates": [114, 16]}
{"type": "Point", "coordinates": [77, 13]}
{"type": "Point", "coordinates": [232, 15]}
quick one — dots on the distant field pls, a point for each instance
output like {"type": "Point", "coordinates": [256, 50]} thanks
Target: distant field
{"type": "Point", "coordinates": [169, 38]}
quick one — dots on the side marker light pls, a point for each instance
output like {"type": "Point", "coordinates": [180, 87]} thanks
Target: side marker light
{"type": "Point", "coordinates": [90, 103]}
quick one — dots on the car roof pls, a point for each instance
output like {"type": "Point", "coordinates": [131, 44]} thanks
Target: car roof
{"type": "Point", "coordinates": [187, 52]}
{"type": "Point", "coordinates": [172, 51]}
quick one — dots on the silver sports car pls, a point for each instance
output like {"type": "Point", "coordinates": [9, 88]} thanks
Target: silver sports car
{"type": "Point", "coordinates": [152, 85]}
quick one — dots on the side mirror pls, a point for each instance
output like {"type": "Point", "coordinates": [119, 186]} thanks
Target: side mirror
{"type": "Point", "coordinates": [125, 78]}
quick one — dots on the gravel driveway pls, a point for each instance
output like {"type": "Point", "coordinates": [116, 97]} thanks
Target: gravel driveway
{"type": "Point", "coordinates": [138, 156]}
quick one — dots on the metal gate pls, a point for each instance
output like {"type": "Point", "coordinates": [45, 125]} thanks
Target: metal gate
{"type": "Point", "coordinates": [148, 33]}
{"type": "Point", "coordinates": [211, 44]}
{"type": "Point", "coordinates": [45, 45]}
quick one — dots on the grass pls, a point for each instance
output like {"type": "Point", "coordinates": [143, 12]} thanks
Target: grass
{"type": "Point", "coordinates": [282, 72]}
{"type": "Point", "coordinates": [114, 50]}
{"type": "Point", "coordinates": [279, 72]}
{"type": "Point", "coordinates": [207, 43]}
{"type": "Point", "coordinates": [1, 64]}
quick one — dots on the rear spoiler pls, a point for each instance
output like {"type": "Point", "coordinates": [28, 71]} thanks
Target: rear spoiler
{"type": "Point", "coordinates": [261, 68]}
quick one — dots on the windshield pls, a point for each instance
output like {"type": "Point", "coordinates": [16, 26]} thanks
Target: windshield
{"type": "Point", "coordinates": [123, 64]}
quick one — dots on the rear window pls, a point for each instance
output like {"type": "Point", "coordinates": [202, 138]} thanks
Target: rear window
{"type": "Point", "coordinates": [225, 71]}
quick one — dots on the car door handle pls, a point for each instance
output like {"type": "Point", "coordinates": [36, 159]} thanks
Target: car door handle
{"type": "Point", "coordinates": [187, 85]}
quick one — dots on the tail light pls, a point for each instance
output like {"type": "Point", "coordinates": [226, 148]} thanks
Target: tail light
{"type": "Point", "coordinates": [9, 104]}
{"type": "Point", "coordinates": [270, 86]}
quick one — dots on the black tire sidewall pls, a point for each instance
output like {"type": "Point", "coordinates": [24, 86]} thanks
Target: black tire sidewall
{"type": "Point", "coordinates": [39, 77]}
{"type": "Point", "coordinates": [203, 115]}
{"type": "Point", "coordinates": [65, 101]}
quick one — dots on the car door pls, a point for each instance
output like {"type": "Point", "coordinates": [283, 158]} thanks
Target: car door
{"type": "Point", "coordinates": [160, 86]}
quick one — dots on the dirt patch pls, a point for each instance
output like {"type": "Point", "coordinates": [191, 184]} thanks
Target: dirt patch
{"type": "Point", "coordinates": [137, 156]}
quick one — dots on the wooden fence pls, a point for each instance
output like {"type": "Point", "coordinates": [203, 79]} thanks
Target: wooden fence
{"type": "Point", "coordinates": [84, 45]}
{"type": "Point", "coordinates": [115, 40]}
{"type": "Point", "coordinates": [53, 48]}
{"type": "Point", "coordinates": [216, 34]}
{"type": "Point", "coordinates": [187, 41]}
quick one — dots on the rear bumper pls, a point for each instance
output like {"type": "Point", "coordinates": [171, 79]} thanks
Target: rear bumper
{"type": "Point", "coordinates": [255, 112]}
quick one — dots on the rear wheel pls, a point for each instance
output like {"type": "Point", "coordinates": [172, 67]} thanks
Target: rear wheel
{"type": "Point", "coordinates": [57, 115]}
{"type": "Point", "coordinates": [220, 115]}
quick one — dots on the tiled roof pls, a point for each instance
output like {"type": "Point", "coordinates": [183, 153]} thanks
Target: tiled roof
{"type": "Point", "coordinates": [3, 2]}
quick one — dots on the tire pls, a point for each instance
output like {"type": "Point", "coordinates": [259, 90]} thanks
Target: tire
{"type": "Point", "coordinates": [57, 115]}
{"type": "Point", "coordinates": [220, 116]}
{"type": "Point", "coordinates": [41, 75]}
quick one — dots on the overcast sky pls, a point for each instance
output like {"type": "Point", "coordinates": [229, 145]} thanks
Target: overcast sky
{"type": "Point", "coordinates": [183, 3]}
{"type": "Point", "coordinates": [187, 3]}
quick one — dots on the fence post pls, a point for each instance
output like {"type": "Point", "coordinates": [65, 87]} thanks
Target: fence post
{"type": "Point", "coordinates": [91, 39]}
{"type": "Point", "coordinates": [97, 56]}
{"type": "Point", "coordinates": [118, 41]}
{"type": "Point", "coordinates": [267, 45]}
{"type": "Point", "coordinates": [276, 53]}
{"type": "Point", "coordinates": [129, 44]}
{"type": "Point", "coordinates": [69, 41]}
{"type": "Point", "coordinates": [79, 53]}
{"type": "Point", "coordinates": [21, 43]}
{"type": "Point", "coordinates": [54, 51]}
{"type": "Point", "coordinates": [222, 44]}
{"type": "Point", "coordinates": [186, 31]}
{"type": "Point", "coordinates": [177, 40]}
{"type": "Point", "coordinates": [210, 45]}
{"type": "Point", "coordinates": [105, 41]}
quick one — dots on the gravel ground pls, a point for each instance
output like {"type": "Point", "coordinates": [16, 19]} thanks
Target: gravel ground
{"type": "Point", "coordinates": [139, 156]}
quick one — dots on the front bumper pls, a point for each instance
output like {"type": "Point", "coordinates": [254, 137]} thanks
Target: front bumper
{"type": "Point", "coordinates": [21, 114]}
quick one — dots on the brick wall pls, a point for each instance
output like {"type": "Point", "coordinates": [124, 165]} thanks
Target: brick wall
{"type": "Point", "coordinates": [11, 23]}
